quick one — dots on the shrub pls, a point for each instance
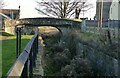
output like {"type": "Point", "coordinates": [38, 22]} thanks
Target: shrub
{"type": "Point", "coordinates": [81, 66]}
{"type": "Point", "coordinates": [62, 53]}
{"type": "Point", "coordinates": [78, 67]}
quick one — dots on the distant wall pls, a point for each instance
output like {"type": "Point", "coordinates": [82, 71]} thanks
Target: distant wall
{"type": "Point", "coordinates": [10, 26]}
{"type": "Point", "coordinates": [110, 23]}
{"type": "Point", "coordinates": [10, 30]}
{"type": "Point", "coordinates": [92, 26]}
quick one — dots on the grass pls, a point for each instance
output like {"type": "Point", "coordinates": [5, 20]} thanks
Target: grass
{"type": "Point", "coordinates": [6, 34]}
{"type": "Point", "coordinates": [9, 50]}
{"type": "Point", "coordinates": [0, 58]}
{"type": "Point", "coordinates": [87, 36]}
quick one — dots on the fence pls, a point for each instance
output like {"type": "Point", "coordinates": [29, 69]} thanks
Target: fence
{"type": "Point", "coordinates": [23, 67]}
{"type": "Point", "coordinates": [105, 23]}
{"type": "Point", "coordinates": [92, 26]}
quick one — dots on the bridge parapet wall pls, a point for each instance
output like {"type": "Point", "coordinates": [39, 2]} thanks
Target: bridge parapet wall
{"type": "Point", "coordinates": [48, 21]}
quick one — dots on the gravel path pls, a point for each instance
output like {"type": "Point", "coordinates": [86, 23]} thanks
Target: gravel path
{"type": "Point", "coordinates": [38, 70]}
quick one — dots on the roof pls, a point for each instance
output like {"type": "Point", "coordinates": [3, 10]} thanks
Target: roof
{"type": "Point", "coordinates": [8, 11]}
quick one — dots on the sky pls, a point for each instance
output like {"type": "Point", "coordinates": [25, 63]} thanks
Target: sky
{"type": "Point", "coordinates": [27, 8]}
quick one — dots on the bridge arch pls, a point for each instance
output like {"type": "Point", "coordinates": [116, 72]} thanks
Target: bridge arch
{"type": "Point", "coordinates": [52, 26]}
{"type": "Point", "coordinates": [26, 25]}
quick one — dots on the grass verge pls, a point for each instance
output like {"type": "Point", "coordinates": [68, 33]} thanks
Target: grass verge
{"type": "Point", "coordinates": [9, 50]}
{"type": "Point", "coordinates": [0, 58]}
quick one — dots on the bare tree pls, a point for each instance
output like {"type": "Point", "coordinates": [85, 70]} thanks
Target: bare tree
{"type": "Point", "coordinates": [63, 8]}
{"type": "Point", "coordinates": [1, 4]}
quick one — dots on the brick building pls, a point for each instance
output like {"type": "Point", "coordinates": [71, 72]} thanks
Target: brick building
{"type": "Point", "coordinates": [8, 14]}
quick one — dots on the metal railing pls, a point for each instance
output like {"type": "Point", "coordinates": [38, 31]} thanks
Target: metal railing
{"type": "Point", "coordinates": [23, 67]}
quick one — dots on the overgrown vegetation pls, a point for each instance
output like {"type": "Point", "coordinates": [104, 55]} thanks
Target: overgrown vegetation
{"type": "Point", "coordinates": [77, 54]}
{"type": "Point", "coordinates": [61, 57]}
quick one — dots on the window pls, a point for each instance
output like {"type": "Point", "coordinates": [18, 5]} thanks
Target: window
{"type": "Point", "coordinates": [114, 4]}
{"type": "Point", "coordinates": [111, 10]}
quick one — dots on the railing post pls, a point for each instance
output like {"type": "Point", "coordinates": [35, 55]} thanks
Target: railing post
{"type": "Point", "coordinates": [31, 63]}
{"type": "Point", "coordinates": [34, 53]}
{"type": "Point", "coordinates": [35, 50]}
{"type": "Point", "coordinates": [37, 43]}
{"type": "Point", "coordinates": [36, 46]}
{"type": "Point", "coordinates": [25, 71]}
{"type": "Point", "coordinates": [17, 40]}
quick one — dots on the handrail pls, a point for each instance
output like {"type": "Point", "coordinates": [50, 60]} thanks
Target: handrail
{"type": "Point", "coordinates": [26, 58]}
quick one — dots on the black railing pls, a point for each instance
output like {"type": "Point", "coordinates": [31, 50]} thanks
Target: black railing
{"type": "Point", "coordinates": [23, 67]}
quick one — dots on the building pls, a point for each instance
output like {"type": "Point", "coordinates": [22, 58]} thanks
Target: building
{"type": "Point", "coordinates": [12, 13]}
{"type": "Point", "coordinates": [0, 22]}
{"type": "Point", "coordinates": [8, 14]}
{"type": "Point", "coordinates": [115, 10]}
{"type": "Point", "coordinates": [105, 10]}
{"type": "Point", "coordinates": [110, 14]}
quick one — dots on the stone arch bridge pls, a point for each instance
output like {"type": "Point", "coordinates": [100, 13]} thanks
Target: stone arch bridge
{"type": "Point", "coordinates": [54, 22]}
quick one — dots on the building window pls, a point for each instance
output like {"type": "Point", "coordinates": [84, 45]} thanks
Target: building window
{"type": "Point", "coordinates": [111, 10]}
{"type": "Point", "coordinates": [114, 4]}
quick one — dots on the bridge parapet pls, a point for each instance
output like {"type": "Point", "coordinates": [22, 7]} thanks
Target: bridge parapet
{"type": "Point", "coordinates": [46, 21]}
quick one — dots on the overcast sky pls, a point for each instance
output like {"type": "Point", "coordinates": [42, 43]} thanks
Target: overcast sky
{"type": "Point", "coordinates": [28, 8]}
